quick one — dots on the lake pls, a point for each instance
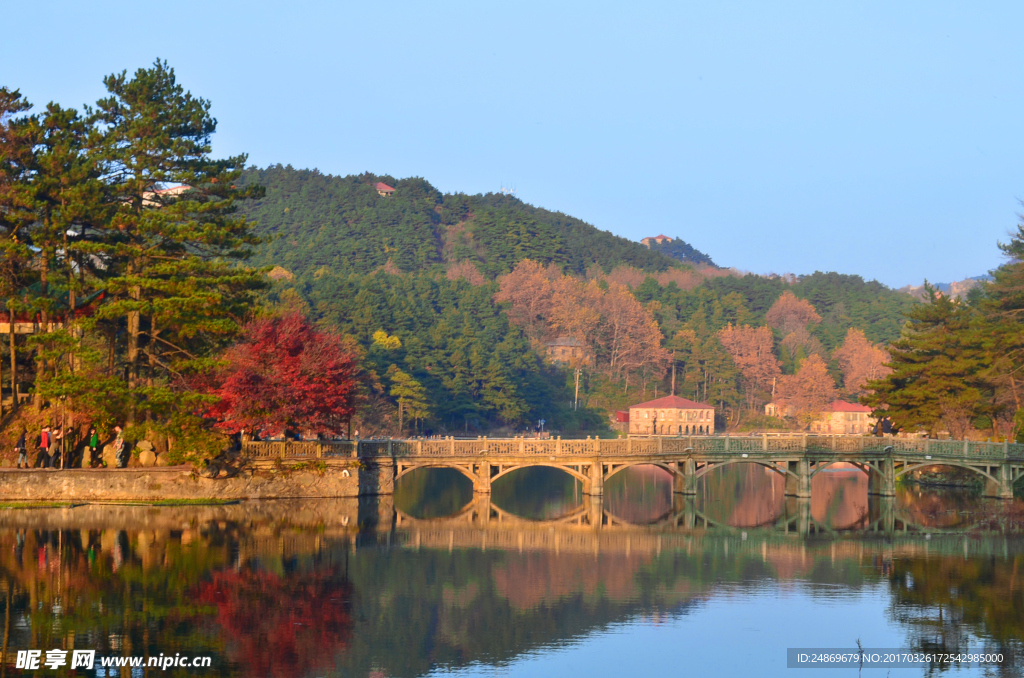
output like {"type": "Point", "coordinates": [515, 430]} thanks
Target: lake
{"type": "Point", "coordinates": [534, 580]}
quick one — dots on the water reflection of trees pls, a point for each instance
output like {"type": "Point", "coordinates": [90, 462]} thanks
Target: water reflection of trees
{"type": "Point", "coordinates": [943, 601]}
{"type": "Point", "coordinates": [280, 624]}
{"type": "Point", "coordinates": [141, 592]}
{"type": "Point", "coordinates": [305, 590]}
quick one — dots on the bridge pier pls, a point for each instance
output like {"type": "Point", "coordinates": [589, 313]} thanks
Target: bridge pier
{"type": "Point", "coordinates": [596, 479]}
{"type": "Point", "coordinates": [684, 480]}
{"type": "Point", "coordinates": [482, 483]}
{"type": "Point", "coordinates": [882, 478]}
{"type": "Point", "coordinates": [798, 480]}
{"type": "Point", "coordinates": [1002, 487]}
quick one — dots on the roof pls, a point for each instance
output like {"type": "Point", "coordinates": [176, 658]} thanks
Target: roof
{"type": "Point", "coordinates": [673, 403]}
{"type": "Point", "coordinates": [381, 186]}
{"type": "Point", "coordinates": [843, 406]}
{"type": "Point", "coordinates": [565, 341]}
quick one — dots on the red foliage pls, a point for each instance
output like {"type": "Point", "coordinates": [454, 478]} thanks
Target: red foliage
{"type": "Point", "coordinates": [286, 374]}
{"type": "Point", "coordinates": [279, 626]}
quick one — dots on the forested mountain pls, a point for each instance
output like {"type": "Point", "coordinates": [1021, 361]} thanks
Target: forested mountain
{"type": "Point", "coordinates": [315, 220]}
{"type": "Point", "coordinates": [452, 299]}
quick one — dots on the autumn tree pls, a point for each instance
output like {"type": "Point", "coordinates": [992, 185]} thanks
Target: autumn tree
{"type": "Point", "coordinates": [860, 361]}
{"type": "Point", "coordinates": [528, 291]}
{"type": "Point", "coordinates": [751, 351]}
{"type": "Point", "coordinates": [284, 374]}
{"type": "Point", "coordinates": [628, 339]}
{"type": "Point", "coordinates": [808, 392]}
{"type": "Point", "coordinates": [790, 313]}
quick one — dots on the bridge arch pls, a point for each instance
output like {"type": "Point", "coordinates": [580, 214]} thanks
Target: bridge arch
{"type": "Point", "coordinates": [708, 468]}
{"type": "Point", "coordinates": [621, 467]}
{"type": "Point", "coordinates": [906, 468]}
{"type": "Point", "coordinates": [504, 471]}
{"type": "Point", "coordinates": [865, 467]}
{"type": "Point", "coordinates": [406, 469]}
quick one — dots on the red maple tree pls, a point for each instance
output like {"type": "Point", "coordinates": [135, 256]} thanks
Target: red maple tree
{"type": "Point", "coordinates": [285, 374]}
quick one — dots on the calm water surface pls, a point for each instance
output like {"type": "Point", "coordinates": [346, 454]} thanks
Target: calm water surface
{"type": "Point", "coordinates": [535, 580]}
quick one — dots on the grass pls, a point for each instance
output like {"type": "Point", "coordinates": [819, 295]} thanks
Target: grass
{"type": "Point", "coordinates": [37, 504]}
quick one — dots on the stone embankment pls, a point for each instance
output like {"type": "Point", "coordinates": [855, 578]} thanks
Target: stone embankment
{"type": "Point", "coordinates": [325, 480]}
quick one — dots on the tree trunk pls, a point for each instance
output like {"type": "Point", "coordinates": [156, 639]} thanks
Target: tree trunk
{"type": "Point", "coordinates": [14, 367]}
{"type": "Point", "coordinates": [44, 269]}
{"type": "Point", "coordinates": [135, 293]}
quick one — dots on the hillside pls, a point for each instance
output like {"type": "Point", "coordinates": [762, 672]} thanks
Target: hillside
{"type": "Point", "coordinates": [682, 251]}
{"type": "Point", "coordinates": [316, 221]}
{"type": "Point", "coordinates": [414, 276]}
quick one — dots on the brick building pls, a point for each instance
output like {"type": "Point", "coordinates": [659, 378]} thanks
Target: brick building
{"type": "Point", "coordinates": [844, 417]}
{"type": "Point", "coordinates": [566, 350]}
{"type": "Point", "coordinates": [671, 416]}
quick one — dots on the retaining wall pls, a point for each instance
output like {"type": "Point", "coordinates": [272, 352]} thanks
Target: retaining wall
{"type": "Point", "coordinates": [177, 482]}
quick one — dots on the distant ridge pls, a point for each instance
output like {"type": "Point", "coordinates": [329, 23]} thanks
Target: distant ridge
{"type": "Point", "coordinates": [367, 222]}
{"type": "Point", "coordinates": [679, 250]}
{"type": "Point", "coordinates": [959, 289]}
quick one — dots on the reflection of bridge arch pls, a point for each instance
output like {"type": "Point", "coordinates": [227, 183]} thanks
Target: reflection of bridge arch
{"type": "Point", "coordinates": [482, 510]}
{"type": "Point", "coordinates": [590, 515]}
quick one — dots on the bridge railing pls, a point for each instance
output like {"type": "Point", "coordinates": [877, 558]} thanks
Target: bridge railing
{"type": "Point", "coordinates": [642, 446]}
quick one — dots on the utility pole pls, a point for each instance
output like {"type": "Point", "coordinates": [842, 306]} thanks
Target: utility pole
{"type": "Point", "coordinates": [673, 374]}
{"type": "Point", "coordinates": [576, 398]}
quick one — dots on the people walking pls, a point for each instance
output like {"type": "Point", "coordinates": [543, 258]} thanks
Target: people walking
{"type": "Point", "coordinates": [19, 447]}
{"type": "Point", "coordinates": [94, 446]}
{"type": "Point", "coordinates": [57, 445]}
{"type": "Point", "coordinates": [43, 459]}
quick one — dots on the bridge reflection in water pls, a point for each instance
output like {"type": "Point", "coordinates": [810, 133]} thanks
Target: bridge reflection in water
{"type": "Point", "coordinates": [591, 528]}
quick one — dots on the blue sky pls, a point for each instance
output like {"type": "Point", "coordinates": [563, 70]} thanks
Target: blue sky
{"type": "Point", "coordinates": [877, 138]}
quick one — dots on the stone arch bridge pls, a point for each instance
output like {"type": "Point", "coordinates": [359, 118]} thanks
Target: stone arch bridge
{"type": "Point", "coordinates": [592, 461]}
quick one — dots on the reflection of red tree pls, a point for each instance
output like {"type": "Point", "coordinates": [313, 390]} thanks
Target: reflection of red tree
{"type": "Point", "coordinates": [279, 626]}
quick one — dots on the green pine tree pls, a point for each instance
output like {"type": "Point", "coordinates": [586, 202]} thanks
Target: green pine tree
{"type": "Point", "coordinates": [410, 396]}
{"type": "Point", "coordinates": [939, 364]}
{"type": "Point", "coordinates": [174, 237]}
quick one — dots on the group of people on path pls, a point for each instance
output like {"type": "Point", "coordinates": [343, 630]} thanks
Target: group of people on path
{"type": "Point", "coordinates": [51, 454]}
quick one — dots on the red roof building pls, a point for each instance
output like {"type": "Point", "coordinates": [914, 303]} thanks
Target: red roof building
{"type": "Point", "coordinates": [383, 190]}
{"type": "Point", "coordinates": [673, 416]}
{"type": "Point", "coordinates": [846, 418]}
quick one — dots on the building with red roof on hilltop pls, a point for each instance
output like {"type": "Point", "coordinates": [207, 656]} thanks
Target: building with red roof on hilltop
{"type": "Point", "coordinates": [658, 239]}
{"type": "Point", "coordinates": [671, 416]}
{"type": "Point", "coordinates": [383, 190]}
